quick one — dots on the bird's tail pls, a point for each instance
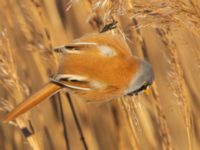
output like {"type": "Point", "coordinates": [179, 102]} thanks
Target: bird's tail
{"type": "Point", "coordinates": [46, 91]}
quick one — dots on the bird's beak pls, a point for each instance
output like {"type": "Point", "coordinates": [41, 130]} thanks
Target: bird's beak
{"type": "Point", "coordinates": [147, 90]}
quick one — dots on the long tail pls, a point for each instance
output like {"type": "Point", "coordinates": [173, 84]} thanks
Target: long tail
{"type": "Point", "coordinates": [33, 100]}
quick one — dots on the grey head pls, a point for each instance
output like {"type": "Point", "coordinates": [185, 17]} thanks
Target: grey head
{"type": "Point", "coordinates": [141, 80]}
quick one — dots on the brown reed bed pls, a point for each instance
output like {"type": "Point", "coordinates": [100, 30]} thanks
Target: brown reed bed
{"type": "Point", "coordinates": [163, 32]}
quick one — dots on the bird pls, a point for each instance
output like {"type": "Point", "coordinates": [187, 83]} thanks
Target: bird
{"type": "Point", "coordinates": [95, 67]}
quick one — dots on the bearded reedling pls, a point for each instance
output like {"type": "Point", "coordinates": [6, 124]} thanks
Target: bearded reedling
{"type": "Point", "coordinates": [96, 67]}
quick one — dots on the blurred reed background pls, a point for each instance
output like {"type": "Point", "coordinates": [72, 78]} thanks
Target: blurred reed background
{"type": "Point", "coordinates": [165, 32]}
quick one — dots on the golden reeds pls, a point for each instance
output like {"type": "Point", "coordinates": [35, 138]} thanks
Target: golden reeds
{"type": "Point", "coordinates": [160, 31]}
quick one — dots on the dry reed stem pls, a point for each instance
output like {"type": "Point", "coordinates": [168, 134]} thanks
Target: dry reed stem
{"type": "Point", "coordinates": [161, 119]}
{"type": "Point", "coordinates": [133, 127]}
{"type": "Point", "coordinates": [46, 47]}
{"type": "Point", "coordinates": [177, 80]}
{"type": "Point", "coordinates": [164, 129]}
{"type": "Point", "coordinates": [16, 88]}
{"type": "Point", "coordinates": [197, 55]}
{"type": "Point", "coordinates": [140, 117]}
{"type": "Point", "coordinates": [156, 14]}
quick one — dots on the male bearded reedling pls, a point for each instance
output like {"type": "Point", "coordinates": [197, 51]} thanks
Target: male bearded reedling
{"type": "Point", "coordinates": [95, 67]}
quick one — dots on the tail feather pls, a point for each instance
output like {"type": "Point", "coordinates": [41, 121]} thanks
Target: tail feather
{"type": "Point", "coordinates": [32, 101]}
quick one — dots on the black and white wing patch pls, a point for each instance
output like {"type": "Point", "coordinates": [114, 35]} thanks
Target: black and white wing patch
{"type": "Point", "coordinates": [77, 82]}
{"type": "Point", "coordinates": [74, 48]}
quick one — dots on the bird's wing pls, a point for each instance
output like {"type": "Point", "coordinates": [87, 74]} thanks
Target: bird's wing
{"type": "Point", "coordinates": [77, 82]}
{"type": "Point", "coordinates": [75, 48]}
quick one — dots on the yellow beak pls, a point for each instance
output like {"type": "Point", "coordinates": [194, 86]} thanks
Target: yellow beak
{"type": "Point", "coordinates": [147, 91]}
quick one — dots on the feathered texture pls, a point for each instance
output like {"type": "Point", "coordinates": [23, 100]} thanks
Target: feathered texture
{"type": "Point", "coordinates": [46, 91]}
{"type": "Point", "coordinates": [116, 73]}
